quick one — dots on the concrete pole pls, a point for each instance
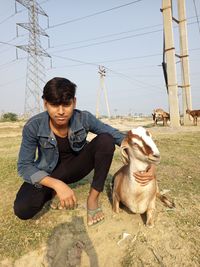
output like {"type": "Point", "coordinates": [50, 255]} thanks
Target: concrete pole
{"type": "Point", "coordinates": [106, 97]}
{"type": "Point", "coordinates": [98, 100]}
{"type": "Point", "coordinates": [187, 100]}
{"type": "Point", "coordinates": [171, 65]}
{"type": "Point", "coordinates": [102, 73]}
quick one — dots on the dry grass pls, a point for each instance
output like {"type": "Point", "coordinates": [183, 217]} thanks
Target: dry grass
{"type": "Point", "coordinates": [179, 171]}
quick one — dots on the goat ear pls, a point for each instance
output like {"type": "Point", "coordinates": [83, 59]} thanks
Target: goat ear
{"type": "Point", "coordinates": [123, 147]}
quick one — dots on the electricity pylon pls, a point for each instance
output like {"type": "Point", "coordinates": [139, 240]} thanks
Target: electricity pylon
{"type": "Point", "coordinates": [102, 87]}
{"type": "Point", "coordinates": [35, 76]}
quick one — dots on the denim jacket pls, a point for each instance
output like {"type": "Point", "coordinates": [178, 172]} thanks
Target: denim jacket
{"type": "Point", "coordinates": [38, 155]}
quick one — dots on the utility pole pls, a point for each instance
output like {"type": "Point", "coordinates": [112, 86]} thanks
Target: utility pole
{"type": "Point", "coordinates": [171, 64]}
{"type": "Point", "coordinates": [184, 57]}
{"type": "Point", "coordinates": [35, 68]}
{"type": "Point", "coordinates": [102, 73]}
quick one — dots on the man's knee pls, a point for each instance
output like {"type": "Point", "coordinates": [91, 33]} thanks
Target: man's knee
{"type": "Point", "coordinates": [22, 211]}
{"type": "Point", "coordinates": [106, 142]}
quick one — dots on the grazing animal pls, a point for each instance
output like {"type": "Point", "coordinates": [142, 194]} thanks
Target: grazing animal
{"type": "Point", "coordinates": [139, 151]}
{"type": "Point", "coordinates": [195, 114]}
{"type": "Point", "coordinates": [160, 115]}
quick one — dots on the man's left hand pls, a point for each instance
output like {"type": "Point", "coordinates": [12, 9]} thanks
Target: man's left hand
{"type": "Point", "coordinates": [145, 177]}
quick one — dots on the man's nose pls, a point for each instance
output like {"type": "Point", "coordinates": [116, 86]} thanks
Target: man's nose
{"type": "Point", "coordinates": [60, 109]}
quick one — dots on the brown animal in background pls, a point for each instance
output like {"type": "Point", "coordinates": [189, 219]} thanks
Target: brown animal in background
{"type": "Point", "coordinates": [160, 115]}
{"type": "Point", "coordinates": [139, 152]}
{"type": "Point", "coordinates": [195, 114]}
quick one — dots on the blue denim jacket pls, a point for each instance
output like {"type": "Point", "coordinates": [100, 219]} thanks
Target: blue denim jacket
{"type": "Point", "coordinates": [38, 154]}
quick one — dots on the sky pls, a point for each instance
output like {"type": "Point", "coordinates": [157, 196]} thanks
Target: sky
{"type": "Point", "coordinates": [126, 37]}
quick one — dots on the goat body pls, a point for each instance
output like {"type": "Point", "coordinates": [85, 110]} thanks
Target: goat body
{"type": "Point", "coordinates": [195, 114]}
{"type": "Point", "coordinates": [160, 115]}
{"type": "Point", "coordinates": [139, 151]}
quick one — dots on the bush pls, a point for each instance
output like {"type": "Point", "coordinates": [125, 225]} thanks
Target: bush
{"type": "Point", "coordinates": [9, 117]}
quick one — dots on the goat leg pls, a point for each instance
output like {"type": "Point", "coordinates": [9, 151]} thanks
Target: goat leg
{"type": "Point", "coordinates": [150, 213]}
{"type": "Point", "coordinates": [115, 202]}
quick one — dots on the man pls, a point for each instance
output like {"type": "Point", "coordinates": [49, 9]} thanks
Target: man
{"type": "Point", "coordinates": [54, 153]}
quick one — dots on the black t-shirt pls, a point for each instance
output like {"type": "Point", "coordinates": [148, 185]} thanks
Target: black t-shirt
{"type": "Point", "coordinates": [65, 151]}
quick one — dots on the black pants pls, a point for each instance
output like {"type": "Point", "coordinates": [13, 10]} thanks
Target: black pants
{"type": "Point", "coordinates": [97, 155]}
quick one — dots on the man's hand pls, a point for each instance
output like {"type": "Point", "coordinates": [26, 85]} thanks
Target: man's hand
{"type": "Point", "coordinates": [66, 195]}
{"type": "Point", "coordinates": [145, 177]}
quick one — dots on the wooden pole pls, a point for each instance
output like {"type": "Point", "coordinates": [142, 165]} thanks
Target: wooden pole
{"type": "Point", "coordinates": [171, 65]}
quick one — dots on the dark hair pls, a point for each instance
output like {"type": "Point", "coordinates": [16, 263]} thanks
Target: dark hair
{"type": "Point", "coordinates": [59, 91]}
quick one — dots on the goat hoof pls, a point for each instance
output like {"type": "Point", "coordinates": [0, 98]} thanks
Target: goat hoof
{"type": "Point", "coordinates": [150, 225]}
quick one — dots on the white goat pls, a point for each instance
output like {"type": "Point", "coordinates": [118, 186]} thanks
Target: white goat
{"type": "Point", "coordinates": [139, 151]}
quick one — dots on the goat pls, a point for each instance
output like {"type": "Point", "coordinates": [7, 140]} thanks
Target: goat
{"type": "Point", "coordinates": [195, 114]}
{"type": "Point", "coordinates": [139, 151]}
{"type": "Point", "coordinates": [160, 115]}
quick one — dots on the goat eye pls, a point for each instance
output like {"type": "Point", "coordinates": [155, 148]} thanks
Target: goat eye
{"type": "Point", "coordinates": [134, 143]}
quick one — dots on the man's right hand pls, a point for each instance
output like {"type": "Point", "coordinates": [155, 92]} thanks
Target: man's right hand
{"type": "Point", "coordinates": [65, 194]}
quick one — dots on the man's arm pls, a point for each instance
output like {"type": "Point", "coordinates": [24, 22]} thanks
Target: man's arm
{"type": "Point", "coordinates": [97, 127]}
{"type": "Point", "coordinates": [26, 158]}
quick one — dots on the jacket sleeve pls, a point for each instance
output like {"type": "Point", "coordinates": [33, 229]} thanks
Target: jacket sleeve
{"type": "Point", "coordinates": [97, 127]}
{"type": "Point", "coordinates": [26, 160]}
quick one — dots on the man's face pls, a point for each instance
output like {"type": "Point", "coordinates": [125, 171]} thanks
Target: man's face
{"type": "Point", "coordinates": [60, 114]}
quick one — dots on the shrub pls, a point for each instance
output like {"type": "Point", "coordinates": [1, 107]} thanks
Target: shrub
{"type": "Point", "coordinates": [9, 116]}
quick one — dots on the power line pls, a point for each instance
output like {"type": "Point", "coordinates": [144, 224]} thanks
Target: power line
{"type": "Point", "coordinates": [109, 41]}
{"type": "Point", "coordinates": [76, 60]}
{"type": "Point", "coordinates": [115, 34]}
{"type": "Point", "coordinates": [195, 8]}
{"type": "Point", "coordinates": [1, 22]}
{"type": "Point", "coordinates": [92, 15]}
{"type": "Point", "coordinates": [131, 79]}
{"type": "Point", "coordinates": [10, 82]}
{"type": "Point", "coordinates": [109, 69]}
{"type": "Point", "coordinates": [109, 61]}
{"type": "Point", "coordinates": [12, 15]}
{"type": "Point", "coordinates": [5, 43]}
{"type": "Point", "coordinates": [108, 35]}
{"type": "Point", "coordinates": [113, 40]}
{"type": "Point", "coordinates": [10, 62]}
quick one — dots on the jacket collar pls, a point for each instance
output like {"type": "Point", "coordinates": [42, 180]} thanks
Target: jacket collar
{"type": "Point", "coordinates": [44, 129]}
{"type": "Point", "coordinates": [75, 122]}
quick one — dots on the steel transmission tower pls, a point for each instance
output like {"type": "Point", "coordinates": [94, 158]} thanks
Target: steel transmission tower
{"type": "Point", "coordinates": [35, 76]}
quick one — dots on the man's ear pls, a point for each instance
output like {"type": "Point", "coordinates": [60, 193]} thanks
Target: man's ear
{"type": "Point", "coordinates": [45, 104]}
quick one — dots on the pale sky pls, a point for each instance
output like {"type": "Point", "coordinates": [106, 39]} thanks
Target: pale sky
{"type": "Point", "coordinates": [126, 37]}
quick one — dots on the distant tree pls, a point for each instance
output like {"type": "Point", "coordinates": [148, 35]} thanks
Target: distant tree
{"type": "Point", "coordinates": [9, 116]}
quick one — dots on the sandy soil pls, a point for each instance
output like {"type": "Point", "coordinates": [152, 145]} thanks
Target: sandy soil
{"type": "Point", "coordinates": [122, 240]}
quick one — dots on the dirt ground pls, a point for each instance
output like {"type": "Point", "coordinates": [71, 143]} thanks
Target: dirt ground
{"type": "Point", "coordinates": [122, 240]}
